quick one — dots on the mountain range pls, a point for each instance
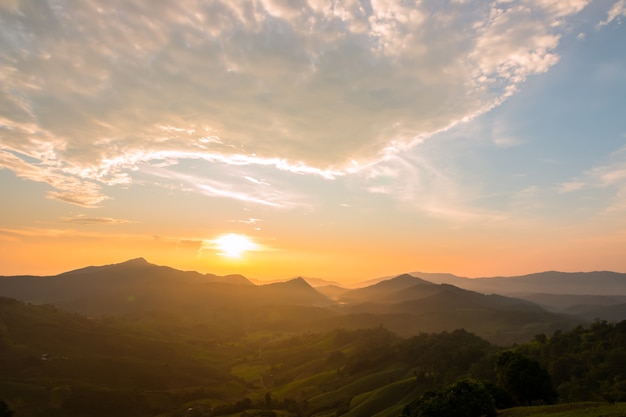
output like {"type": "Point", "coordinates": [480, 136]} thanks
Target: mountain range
{"type": "Point", "coordinates": [549, 282]}
{"type": "Point", "coordinates": [407, 304]}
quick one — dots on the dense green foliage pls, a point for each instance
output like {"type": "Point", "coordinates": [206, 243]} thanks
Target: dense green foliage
{"type": "Point", "coordinates": [524, 379]}
{"type": "Point", "coordinates": [59, 364]}
{"type": "Point", "coordinates": [464, 398]}
{"type": "Point", "coordinates": [586, 363]}
{"type": "Point", "coordinates": [520, 380]}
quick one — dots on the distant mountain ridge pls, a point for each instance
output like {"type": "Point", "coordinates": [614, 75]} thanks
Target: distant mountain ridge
{"type": "Point", "coordinates": [549, 282]}
{"type": "Point", "coordinates": [139, 285]}
{"type": "Point", "coordinates": [383, 288]}
{"type": "Point", "coordinates": [406, 304]}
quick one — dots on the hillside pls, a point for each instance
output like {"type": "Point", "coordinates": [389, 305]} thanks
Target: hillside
{"type": "Point", "coordinates": [586, 409]}
{"type": "Point", "coordinates": [52, 359]}
{"type": "Point", "coordinates": [60, 364]}
{"type": "Point", "coordinates": [55, 362]}
{"type": "Point", "coordinates": [138, 285]}
{"type": "Point", "coordinates": [404, 304]}
{"type": "Point", "coordinates": [409, 305]}
{"type": "Point", "coordinates": [383, 289]}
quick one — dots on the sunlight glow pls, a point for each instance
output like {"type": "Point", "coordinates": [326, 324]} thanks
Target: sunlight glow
{"type": "Point", "coordinates": [233, 245]}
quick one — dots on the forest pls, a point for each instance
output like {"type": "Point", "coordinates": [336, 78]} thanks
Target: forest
{"type": "Point", "coordinates": [57, 363]}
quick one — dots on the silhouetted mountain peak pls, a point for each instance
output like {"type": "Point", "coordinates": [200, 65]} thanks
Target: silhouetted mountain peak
{"type": "Point", "coordinates": [401, 281]}
{"type": "Point", "coordinates": [403, 277]}
{"type": "Point", "coordinates": [298, 283]}
{"type": "Point", "coordinates": [384, 289]}
{"type": "Point", "coordinates": [235, 279]}
{"type": "Point", "coordinates": [131, 263]}
{"type": "Point", "coordinates": [136, 261]}
{"type": "Point", "coordinates": [294, 291]}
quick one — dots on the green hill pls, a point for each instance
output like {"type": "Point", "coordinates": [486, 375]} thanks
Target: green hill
{"type": "Point", "coordinates": [53, 360]}
{"type": "Point", "coordinates": [568, 410]}
{"type": "Point", "coordinates": [154, 341]}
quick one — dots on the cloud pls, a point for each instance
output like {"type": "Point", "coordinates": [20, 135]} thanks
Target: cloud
{"type": "Point", "coordinates": [501, 136]}
{"type": "Point", "coordinates": [82, 219]}
{"type": "Point", "coordinates": [609, 177]}
{"type": "Point", "coordinates": [91, 91]}
{"type": "Point", "coordinates": [249, 220]}
{"type": "Point", "coordinates": [68, 188]}
{"type": "Point", "coordinates": [232, 183]}
{"type": "Point", "coordinates": [426, 181]}
{"type": "Point", "coordinates": [44, 233]}
{"type": "Point", "coordinates": [615, 13]}
{"type": "Point", "coordinates": [568, 187]}
{"type": "Point", "coordinates": [190, 243]}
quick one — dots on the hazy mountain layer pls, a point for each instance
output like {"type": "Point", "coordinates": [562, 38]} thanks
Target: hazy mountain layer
{"type": "Point", "coordinates": [551, 282]}
{"type": "Point", "coordinates": [406, 304]}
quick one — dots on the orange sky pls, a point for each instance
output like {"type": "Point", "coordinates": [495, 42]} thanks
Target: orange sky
{"type": "Point", "coordinates": [345, 143]}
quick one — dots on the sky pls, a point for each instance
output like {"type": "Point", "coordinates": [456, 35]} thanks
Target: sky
{"type": "Point", "coordinates": [344, 140]}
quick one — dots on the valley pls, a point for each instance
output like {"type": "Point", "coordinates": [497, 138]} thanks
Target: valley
{"type": "Point", "coordinates": [137, 339]}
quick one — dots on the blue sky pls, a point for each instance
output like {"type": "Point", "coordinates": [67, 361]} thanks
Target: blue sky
{"type": "Point", "coordinates": [346, 139]}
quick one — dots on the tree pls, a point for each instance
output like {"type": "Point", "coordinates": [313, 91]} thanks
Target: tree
{"type": "Point", "coordinates": [524, 379]}
{"type": "Point", "coordinates": [464, 398]}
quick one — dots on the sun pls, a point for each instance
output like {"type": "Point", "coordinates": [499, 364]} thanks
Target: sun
{"type": "Point", "coordinates": [233, 245]}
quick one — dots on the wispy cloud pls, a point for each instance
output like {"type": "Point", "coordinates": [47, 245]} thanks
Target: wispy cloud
{"type": "Point", "coordinates": [228, 183]}
{"type": "Point", "coordinates": [83, 219]}
{"type": "Point", "coordinates": [423, 183]}
{"type": "Point", "coordinates": [617, 12]}
{"type": "Point", "coordinates": [247, 221]}
{"type": "Point", "coordinates": [67, 187]}
{"type": "Point", "coordinates": [570, 186]}
{"type": "Point", "coordinates": [610, 177]}
{"type": "Point", "coordinates": [190, 243]}
{"type": "Point", "coordinates": [92, 92]}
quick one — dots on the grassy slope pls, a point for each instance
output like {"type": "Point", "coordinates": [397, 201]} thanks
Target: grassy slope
{"type": "Point", "coordinates": [174, 365]}
{"type": "Point", "coordinates": [51, 360]}
{"type": "Point", "coordinates": [376, 402]}
{"type": "Point", "coordinates": [568, 410]}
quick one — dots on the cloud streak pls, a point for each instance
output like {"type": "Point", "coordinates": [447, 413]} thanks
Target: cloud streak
{"type": "Point", "coordinates": [90, 92]}
{"type": "Point", "coordinates": [86, 220]}
{"type": "Point", "coordinates": [609, 177]}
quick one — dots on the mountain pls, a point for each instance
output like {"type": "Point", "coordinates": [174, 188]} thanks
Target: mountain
{"type": "Point", "coordinates": [594, 312]}
{"type": "Point", "coordinates": [441, 278]}
{"type": "Point", "coordinates": [334, 292]}
{"type": "Point", "coordinates": [137, 285]}
{"type": "Point", "coordinates": [59, 364]}
{"type": "Point", "coordinates": [131, 276]}
{"type": "Point", "coordinates": [314, 282]}
{"type": "Point", "coordinates": [550, 282]}
{"type": "Point", "coordinates": [405, 304]}
{"type": "Point", "coordinates": [587, 295]}
{"type": "Point", "coordinates": [569, 303]}
{"type": "Point", "coordinates": [128, 286]}
{"type": "Point", "coordinates": [428, 307]}
{"type": "Point", "coordinates": [320, 282]}
{"type": "Point", "coordinates": [382, 289]}
{"type": "Point", "coordinates": [296, 291]}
